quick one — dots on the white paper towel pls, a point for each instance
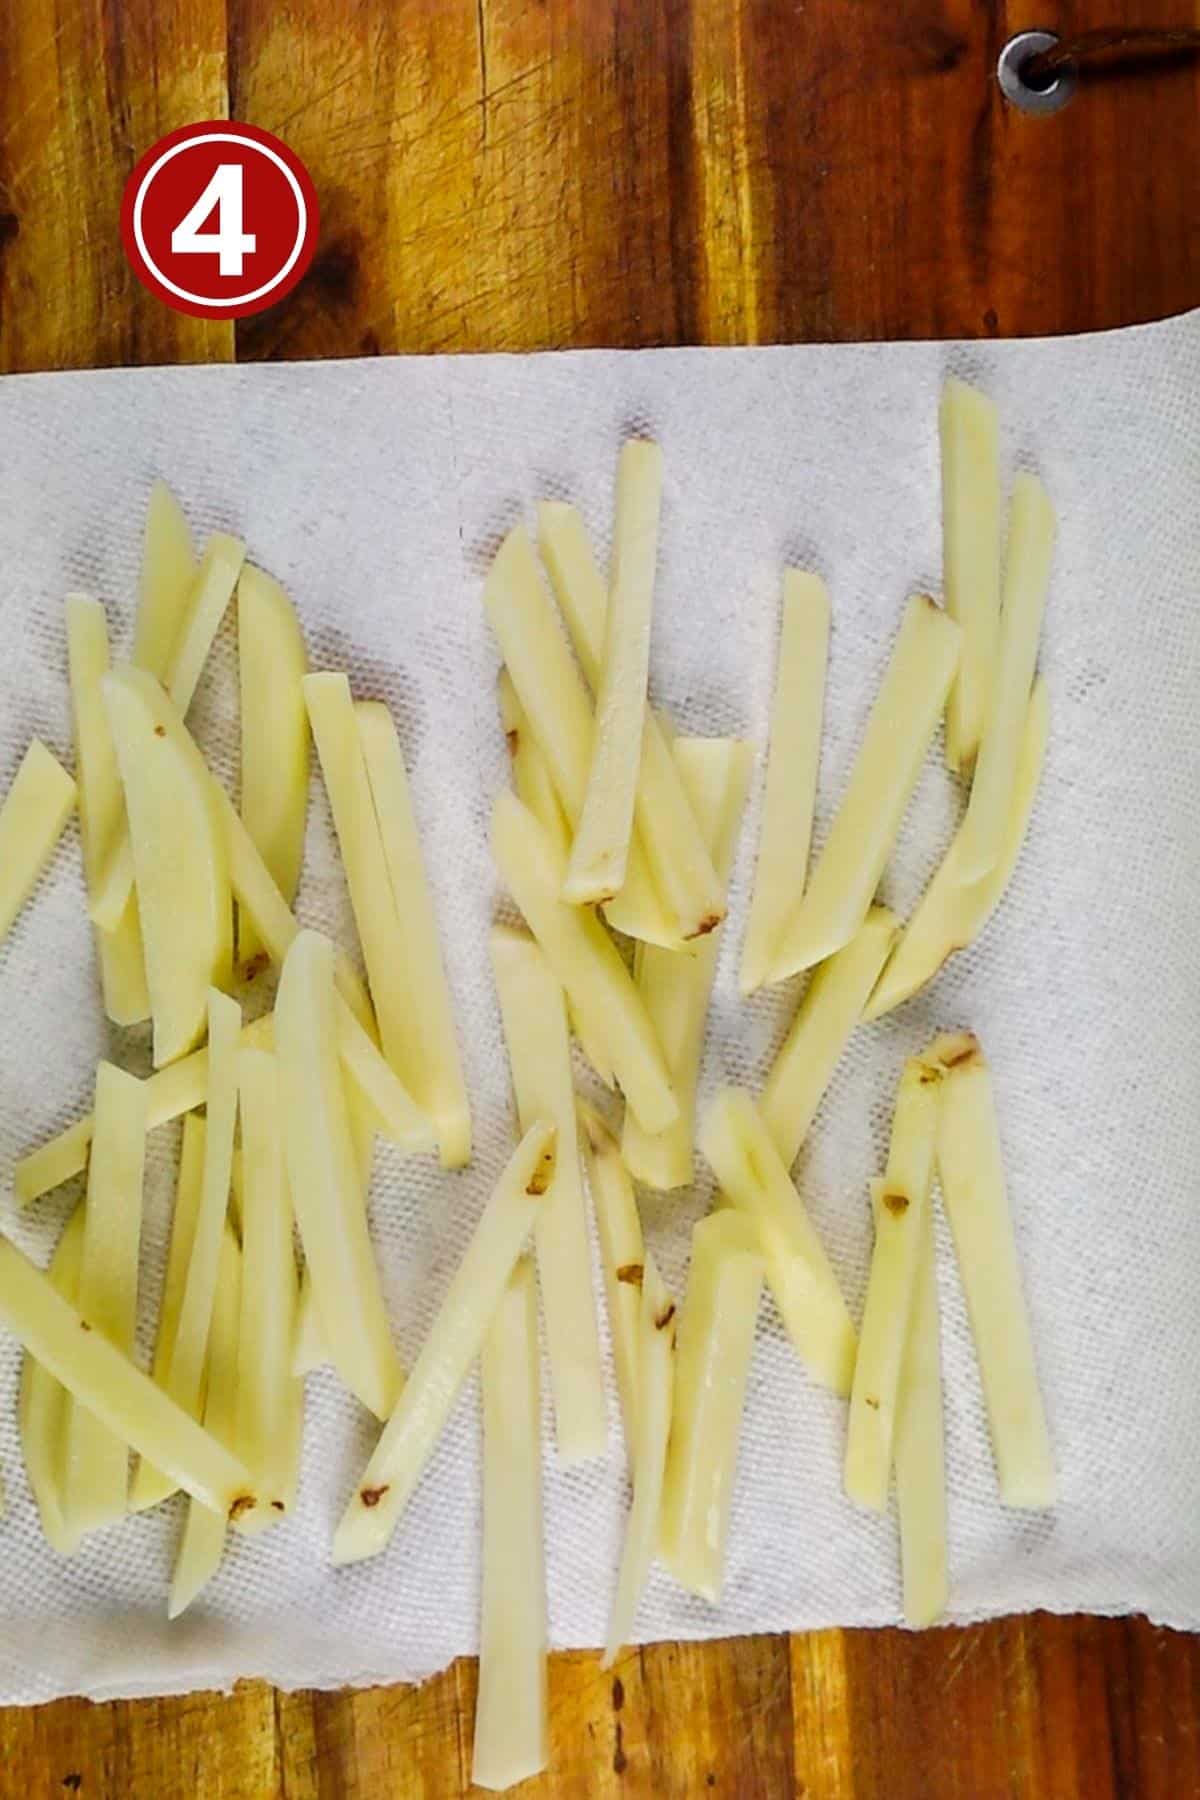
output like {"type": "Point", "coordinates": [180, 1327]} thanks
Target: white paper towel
{"type": "Point", "coordinates": [375, 491]}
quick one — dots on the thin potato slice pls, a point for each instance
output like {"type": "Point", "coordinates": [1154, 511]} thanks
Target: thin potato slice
{"type": "Point", "coordinates": [970, 437]}
{"type": "Point", "coordinates": [975, 1196]}
{"type": "Point", "coordinates": [1028, 556]}
{"type": "Point", "coordinates": [790, 791]}
{"type": "Point", "coordinates": [454, 1341]}
{"type": "Point", "coordinates": [623, 1257]}
{"type": "Point", "coordinates": [42, 1409]}
{"type": "Point", "coordinates": [512, 1710]}
{"type": "Point", "coordinates": [716, 1339]}
{"type": "Point", "coordinates": [952, 913]}
{"type": "Point", "coordinates": [585, 961]}
{"type": "Point", "coordinates": [899, 1228]}
{"type": "Point", "coordinates": [902, 722]}
{"type": "Point", "coordinates": [32, 817]}
{"type": "Point", "coordinates": [272, 663]}
{"type": "Point", "coordinates": [210, 594]}
{"type": "Point", "coordinates": [202, 1544]}
{"type": "Point", "coordinates": [539, 1054]}
{"type": "Point", "coordinates": [168, 571]}
{"type": "Point", "coordinates": [739, 1148]}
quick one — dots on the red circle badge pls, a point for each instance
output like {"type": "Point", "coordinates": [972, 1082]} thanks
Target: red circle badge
{"type": "Point", "coordinates": [219, 220]}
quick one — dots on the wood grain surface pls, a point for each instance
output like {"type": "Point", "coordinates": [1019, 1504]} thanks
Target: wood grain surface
{"type": "Point", "coordinates": [521, 174]}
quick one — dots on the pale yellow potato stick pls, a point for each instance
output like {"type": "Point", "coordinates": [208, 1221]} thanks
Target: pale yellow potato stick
{"type": "Point", "coordinates": [585, 961]}
{"type": "Point", "coordinates": [539, 1054]}
{"type": "Point", "coordinates": [209, 596]}
{"type": "Point", "coordinates": [32, 816]}
{"type": "Point", "coordinates": [272, 662]}
{"type": "Point", "coordinates": [130, 1404]}
{"type": "Point", "coordinates": [42, 1409]}
{"type": "Point", "coordinates": [899, 1227]}
{"type": "Point", "coordinates": [622, 1256]}
{"type": "Point", "coordinates": [454, 1341]}
{"type": "Point", "coordinates": [716, 1339]}
{"type": "Point", "coordinates": [309, 1350]}
{"type": "Point", "coordinates": [512, 1709]}
{"type": "Point", "coordinates": [1028, 556]}
{"type": "Point", "coordinates": [677, 989]}
{"type": "Point", "coordinates": [95, 1463]}
{"type": "Point", "coordinates": [202, 1544]}
{"type": "Point", "coordinates": [102, 810]}
{"type": "Point", "coordinates": [188, 1188]}
{"type": "Point", "coordinates": [579, 587]}
{"type": "Point", "coordinates": [867, 823]}
{"type": "Point", "coordinates": [793, 757]}
{"type": "Point", "coordinates": [951, 914]}
{"type": "Point", "coordinates": [168, 570]}
{"type": "Point", "coordinates": [974, 1192]}
{"type": "Point", "coordinates": [970, 438]}
{"type": "Point", "coordinates": [832, 1006]}
{"type": "Point", "coordinates": [437, 1083]}
{"type": "Point", "coordinates": [738, 1147]}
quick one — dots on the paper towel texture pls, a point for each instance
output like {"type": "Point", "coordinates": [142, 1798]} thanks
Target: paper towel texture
{"type": "Point", "coordinates": [375, 491]}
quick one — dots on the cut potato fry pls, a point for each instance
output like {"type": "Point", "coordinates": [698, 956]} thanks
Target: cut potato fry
{"type": "Point", "coordinates": [512, 1710]}
{"type": "Point", "coordinates": [180, 859]}
{"type": "Point", "coordinates": [539, 1054]}
{"type": "Point", "coordinates": [189, 1187]}
{"type": "Point", "coordinates": [32, 817]}
{"type": "Point", "coordinates": [739, 1148]}
{"type": "Point", "coordinates": [185, 1372]}
{"type": "Point", "coordinates": [579, 587]}
{"type": "Point", "coordinates": [325, 1182]}
{"type": "Point", "coordinates": [102, 810]}
{"type": "Point", "coordinates": [209, 596]}
{"type": "Point", "coordinates": [309, 1350]}
{"type": "Point", "coordinates": [976, 1200]}
{"type": "Point", "coordinates": [202, 1544]}
{"type": "Point", "coordinates": [115, 889]}
{"type": "Point", "coordinates": [1028, 556]}
{"type": "Point", "coordinates": [433, 1071]}
{"type": "Point", "coordinates": [130, 1404]}
{"type": "Point", "coordinates": [391, 1106]}
{"type": "Point", "coordinates": [970, 437]}
{"type": "Point", "coordinates": [716, 1339]}
{"type": "Point", "coordinates": [832, 1006]}
{"type": "Point", "coordinates": [903, 718]}
{"type": "Point", "coordinates": [790, 789]}
{"type": "Point", "coordinates": [656, 1389]}
{"type": "Point", "coordinates": [952, 913]}
{"type": "Point", "coordinates": [168, 571]}
{"type": "Point", "coordinates": [272, 662]}
{"type": "Point", "coordinates": [895, 1261]}
{"type": "Point", "coordinates": [585, 961]}
{"type": "Point", "coordinates": [42, 1411]}
{"type": "Point", "coordinates": [677, 989]}
{"type": "Point", "coordinates": [454, 1342]}
{"type": "Point", "coordinates": [622, 1255]}
{"type": "Point", "coordinates": [95, 1463]}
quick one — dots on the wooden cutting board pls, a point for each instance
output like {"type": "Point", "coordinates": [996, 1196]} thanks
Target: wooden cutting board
{"type": "Point", "coordinates": [530, 174]}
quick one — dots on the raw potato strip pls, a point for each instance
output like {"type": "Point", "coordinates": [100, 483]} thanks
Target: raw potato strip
{"type": "Point", "coordinates": [272, 663]}
{"type": "Point", "coordinates": [512, 1709]}
{"type": "Point", "coordinates": [539, 1055]}
{"type": "Point", "coordinates": [976, 1201]}
{"type": "Point", "coordinates": [1027, 561]}
{"type": "Point", "coordinates": [325, 1180]}
{"type": "Point", "coordinates": [899, 1228]}
{"type": "Point", "coordinates": [951, 913]}
{"type": "Point", "coordinates": [832, 1006]}
{"type": "Point", "coordinates": [656, 1387]}
{"type": "Point", "coordinates": [790, 790]}
{"type": "Point", "coordinates": [432, 1056]}
{"type": "Point", "coordinates": [202, 1544]}
{"type": "Point", "coordinates": [903, 719]}
{"type": "Point", "coordinates": [623, 1257]}
{"type": "Point", "coordinates": [188, 1189]}
{"type": "Point", "coordinates": [736, 1143]}
{"type": "Point", "coordinates": [676, 988]}
{"type": "Point", "coordinates": [95, 1463]}
{"type": "Point", "coordinates": [585, 961]}
{"type": "Point", "coordinates": [454, 1341]}
{"type": "Point", "coordinates": [32, 816]}
{"type": "Point", "coordinates": [133, 1407]}
{"type": "Point", "coordinates": [309, 1350]}
{"type": "Point", "coordinates": [970, 438]}
{"type": "Point", "coordinates": [579, 587]}
{"type": "Point", "coordinates": [185, 1372]}
{"type": "Point", "coordinates": [44, 1401]}
{"type": "Point", "coordinates": [920, 1451]}
{"type": "Point", "coordinates": [168, 571]}
{"type": "Point", "coordinates": [102, 809]}
{"type": "Point", "coordinates": [210, 594]}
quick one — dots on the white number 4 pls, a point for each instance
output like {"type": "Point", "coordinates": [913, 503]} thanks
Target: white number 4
{"type": "Point", "coordinates": [223, 195]}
